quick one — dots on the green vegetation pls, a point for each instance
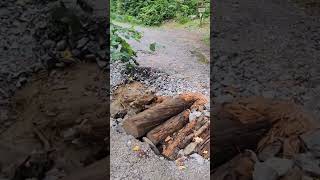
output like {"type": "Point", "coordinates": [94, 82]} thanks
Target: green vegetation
{"type": "Point", "coordinates": [120, 48]}
{"type": "Point", "coordinates": [151, 13]}
{"type": "Point", "coordinates": [155, 12]}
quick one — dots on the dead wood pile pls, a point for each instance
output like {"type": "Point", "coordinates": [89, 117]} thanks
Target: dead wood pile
{"type": "Point", "coordinates": [284, 140]}
{"type": "Point", "coordinates": [173, 126]}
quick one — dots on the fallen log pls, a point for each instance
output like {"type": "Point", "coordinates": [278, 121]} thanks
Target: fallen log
{"type": "Point", "coordinates": [145, 121]}
{"type": "Point", "coordinates": [171, 149]}
{"type": "Point", "coordinates": [166, 129]}
{"type": "Point", "coordinates": [204, 148]}
{"type": "Point", "coordinates": [196, 133]}
{"type": "Point", "coordinates": [232, 136]}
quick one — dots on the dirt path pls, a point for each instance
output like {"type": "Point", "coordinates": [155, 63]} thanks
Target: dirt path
{"type": "Point", "coordinates": [268, 48]}
{"type": "Point", "coordinates": [179, 52]}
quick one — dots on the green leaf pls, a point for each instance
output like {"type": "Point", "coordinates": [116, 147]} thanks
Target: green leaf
{"type": "Point", "coordinates": [152, 47]}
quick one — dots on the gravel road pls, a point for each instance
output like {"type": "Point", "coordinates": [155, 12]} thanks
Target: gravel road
{"type": "Point", "coordinates": [180, 53]}
{"type": "Point", "coordinates": [172, 69]}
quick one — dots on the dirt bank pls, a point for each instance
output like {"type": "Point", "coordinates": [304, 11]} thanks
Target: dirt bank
{"type": "Point", "coordinates": [58, 113]}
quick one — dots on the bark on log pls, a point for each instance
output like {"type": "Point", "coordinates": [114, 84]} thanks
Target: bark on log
{"type": "Point", "coordinates": [231, 136]}
{"type": "Point", "coordinates": [204, 148]}
{"type": "Point", "coordinates": [170, 150]}
{"type": "Point", "coordinates": [196, 133]}
{"type": "Point", "coordinates": [145, 121]}
{"type": "Point", "coordinates": [166, 129]}
{"type": "Point", "coordinates": [96, 171]}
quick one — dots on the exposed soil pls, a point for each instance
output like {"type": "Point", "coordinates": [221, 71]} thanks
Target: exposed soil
{"type": "Point", "coordinates": [57, 112]}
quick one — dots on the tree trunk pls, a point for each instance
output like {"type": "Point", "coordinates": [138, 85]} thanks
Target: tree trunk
{"type": "Point", "coordinates": [169, 127]}
{"type": "Point", "coordinates": [171, 149]}
{"type": "Point", "coordinates": [230, 137]}
{"type": "Point", "coordinates": [145, 121]}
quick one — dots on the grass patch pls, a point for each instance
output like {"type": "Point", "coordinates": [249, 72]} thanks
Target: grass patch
{"type": "Point", "coordinates": [189, 25]}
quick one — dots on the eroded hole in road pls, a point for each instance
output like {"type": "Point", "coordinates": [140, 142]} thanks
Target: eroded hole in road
{"type": "Point", "coordinates": [61, 125]}
{"type": "Point", "coordinates": [174, 127]}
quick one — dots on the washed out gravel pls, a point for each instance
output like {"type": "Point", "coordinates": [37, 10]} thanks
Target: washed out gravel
{"type": "Point", "coordinates": [160, 81]}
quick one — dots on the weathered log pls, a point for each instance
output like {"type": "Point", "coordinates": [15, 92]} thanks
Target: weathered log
{"type": "Point", "coordinates": [204, 147]}
{"type": "Point", "coordinates": [145, 121]}
{"type": "Point", "coordinates": [96, 171]}
{"type": "Point", "coordinates": [171, 149]}
{"type": "Point", "coordinates": [196, 133]}
{"type": "Point", "coordinates": [231, 136]}
{"type": "Point", "coordinates": [166, 129]}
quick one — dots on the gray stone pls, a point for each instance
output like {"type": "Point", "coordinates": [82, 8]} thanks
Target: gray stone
{"type": "Point", "coordinates": [281, 166]}
{"type": "Point", "coordinates": [76, 52]}
{"type": "Point", "coordinates": [190, 148]}
{"type": "Point", "coordinates": [197, 114]}
{"type": "Point", "coordinates": [264, 172]}
{"type": "Point", "coordinates": [48, 44]}
{"type": "Point", "coordinates": [270, 151]}
{"type": "Point", "coordinates": [207, 113]}
{"type": "Point", "coordinates": [312, 141]}
{"type": "Point", "coordinates": [192, 117]}
{"type": "Point", "coordinates": [207, 106]}
{"type": "Point", "coordinates": [61, 45]}
{"type": "Point", "coordinates": [82, 42]}
{"type": "Point", "coordinates": [308, 163]}
{"type": "Point", "coordinates": [101, 64]}
{"type": "Point", "coordinates": [198, 158]}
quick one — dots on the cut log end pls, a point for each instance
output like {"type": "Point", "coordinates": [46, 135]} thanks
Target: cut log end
{"type": "Point", "coordinates": [131, 129]}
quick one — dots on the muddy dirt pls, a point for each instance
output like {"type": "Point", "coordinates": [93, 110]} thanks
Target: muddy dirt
{"type": "Point", "coordinates": [57, 112]}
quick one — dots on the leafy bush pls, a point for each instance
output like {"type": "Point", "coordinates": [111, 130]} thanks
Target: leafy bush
{"type": "Point", "coordinates": [120, 48]}
{"type": "Point", "coordinates": [154, 12]}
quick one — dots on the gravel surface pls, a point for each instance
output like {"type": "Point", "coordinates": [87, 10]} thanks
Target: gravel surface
{"type": "Point", "coordinates": [181, 59]}
{"type": "Point", "coordinates": [126, 164]}
{"type": "Point", "coordinates": [170, 70]}
{"type": "Point", "coordinates": [160, 81]}
{"type": "Point", "coordinates": [268, 48]}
